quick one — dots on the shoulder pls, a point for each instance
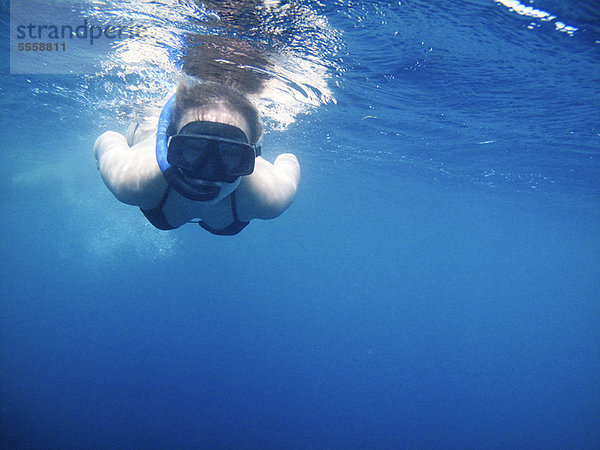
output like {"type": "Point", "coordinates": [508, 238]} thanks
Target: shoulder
{"type": "Point", "coordinates": [131, 173]}
{"type": "Point", "coordinates": [108, 141]}
{"type": "Point", "coordinates": [270, 189]}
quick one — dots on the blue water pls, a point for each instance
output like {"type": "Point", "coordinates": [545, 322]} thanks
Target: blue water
{"type": "Point", "coordinates": [436, 283]}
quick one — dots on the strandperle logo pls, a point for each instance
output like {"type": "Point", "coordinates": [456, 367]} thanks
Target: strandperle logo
{"type": "Point", "coordinates": [66, 36]}
{"type": "Point", "coordinates": [52, 33]}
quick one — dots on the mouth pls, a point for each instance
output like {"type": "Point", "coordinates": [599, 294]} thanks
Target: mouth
{"type": "Point", "coordinates": [206, 189]}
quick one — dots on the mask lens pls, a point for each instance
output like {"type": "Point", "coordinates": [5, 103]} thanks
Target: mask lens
{"type": "Point", "coordinates": [186, 153]}
{"type": "Point", "coordinates": [209, 158]}
{"type": "Point", "coordinates": [237, 159]}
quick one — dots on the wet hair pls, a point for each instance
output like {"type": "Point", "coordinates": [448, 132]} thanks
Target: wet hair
{"type": "Point", "coordinates": [204, 96]}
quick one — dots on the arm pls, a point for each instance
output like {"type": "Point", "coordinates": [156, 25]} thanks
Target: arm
{"type": "Point", "coordinates": [271, 188]}
{"type": "Point", "coordinates": [130, 173]}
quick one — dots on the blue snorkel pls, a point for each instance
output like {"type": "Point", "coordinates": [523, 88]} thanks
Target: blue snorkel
{"type": "Point", "coordinates": [161, 134]}
{"type": "Point", "coordinates": [188, 187]}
